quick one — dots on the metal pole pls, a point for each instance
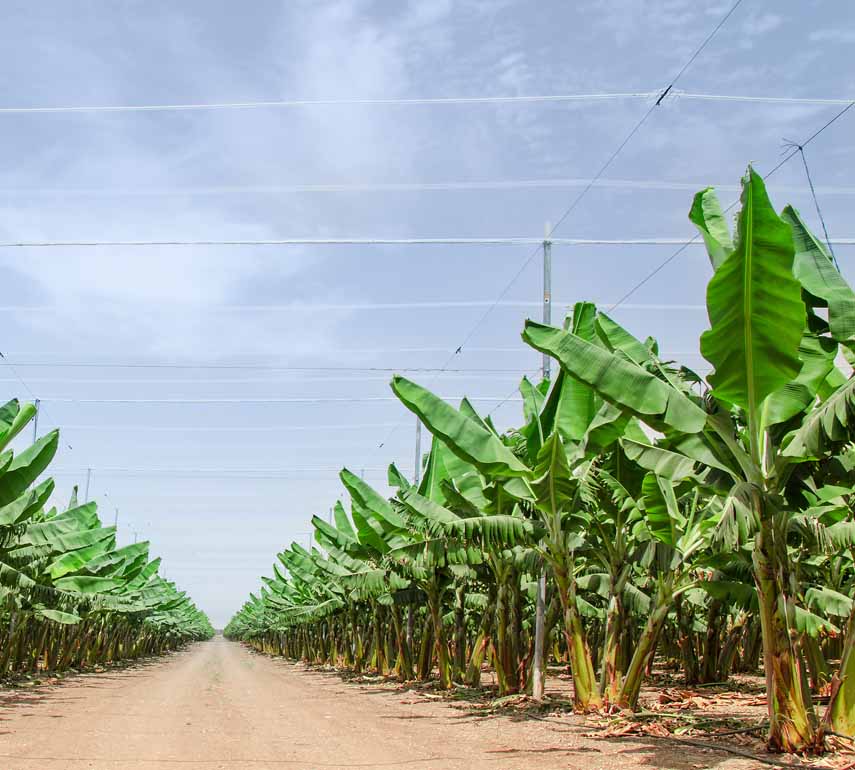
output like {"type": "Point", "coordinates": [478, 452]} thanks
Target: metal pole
{"type": "Point", "coordinates": [36, 422]}
{"type": "Point", "coordinates": [547, 291]}
{"type": "Point", "coordinates": [88, 479]}
{"type": "Point", "coordinates": [538, 672]}
{"type": "Point", "coordinates": [417, 475]}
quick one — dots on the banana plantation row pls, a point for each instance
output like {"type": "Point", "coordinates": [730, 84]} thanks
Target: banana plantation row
{"type": "Point", "coordinates": [705, 522]}
{"type": "Point", "coordinates": [69, 597]}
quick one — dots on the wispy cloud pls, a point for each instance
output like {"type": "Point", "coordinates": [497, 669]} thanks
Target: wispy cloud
{"type": "Point", "coordinates": [833, 35]}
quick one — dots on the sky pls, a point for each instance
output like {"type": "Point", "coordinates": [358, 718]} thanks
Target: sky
{"type": "Point", "coordinates": [219, 488]}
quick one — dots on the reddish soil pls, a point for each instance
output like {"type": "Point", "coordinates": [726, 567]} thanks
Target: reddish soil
{"type": "Point", "coordinates": [217, 705]}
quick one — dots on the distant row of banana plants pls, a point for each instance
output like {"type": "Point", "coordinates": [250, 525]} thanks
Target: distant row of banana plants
{"type": "Point", "coordinates": [69, 597]}
{"type": "Point", "coordinates": [706, 523]}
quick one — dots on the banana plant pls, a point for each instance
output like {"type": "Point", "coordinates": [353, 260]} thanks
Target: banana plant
{"type": "Point", "coordinates": [776, 402]}
{"type": "Point", "coordinates": [68, 595]}
{"type": "Point", "coordinates": [510, 485]}
{"type": "Point", "coordinates": [706, 518]}
{"type": "Point", "coordinates": [677, 521]}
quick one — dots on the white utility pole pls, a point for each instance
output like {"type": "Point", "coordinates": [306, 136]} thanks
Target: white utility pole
{"type": "Point", "coordinates": [417, 477]}
{"type": "Point", "coordinates": [547, 292]}
{"type": "Point", "coordinates": [538, 673]}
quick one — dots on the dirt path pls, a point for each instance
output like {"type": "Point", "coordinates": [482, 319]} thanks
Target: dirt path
{"type": "Point", "coordinates": [217, 705]}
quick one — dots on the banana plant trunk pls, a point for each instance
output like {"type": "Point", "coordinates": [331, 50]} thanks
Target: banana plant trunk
{"type": "Point", "coordinates": [791, 719]}
{"type": "Point", "coordinates": [839, 717]}
{"type": "Point", "coordinates": [404, 663]}
{"type": "Point", "coordinates": [426, 649]}
{"type": "Point", "coordinates": [482, 640]}
{"type": "Point", "coordinates": [379, 657]}
{"type": "Point", "coordinates": [611, 671]}
{"type": "Point", "coordinates": [586, 696]}
{"type": "Point", "coordinates": [816, 663]}
{"type": "Point", "coordinates": [646, 647]}
{"type": "Point", "coordinates": [459, 658]}
{"type": "Point", "coordinates": [688, 650]}
{"type": "Point", "coordinates": [435, 605]}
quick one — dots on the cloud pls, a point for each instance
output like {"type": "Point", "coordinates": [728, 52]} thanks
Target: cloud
{"type": "Point", "coordinates": [758, 25]}
{"type": "Point", "coordinates": [832, 35]}
{"type": "Point", "coordinates": [339, 49]}
{"type": "Point", "coordinates": [763, 23]}
{"type": "Point", "coordinates": [626, 20]}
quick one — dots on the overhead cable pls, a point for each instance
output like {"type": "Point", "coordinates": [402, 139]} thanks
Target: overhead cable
{"type": "Point", "coordinates": [602, 170]}
{"type": "Point", "coordinates": [395, 187]}
{"type": "Point", "coordinates": [235, 381]}
{"type": "Point", "coordinates": [799, 148]}
{"type": "Point", "coordinates": [578, 199]}
{"type": "Point", "coordinates": [607, 96]}
{"type": "Point", "coordinates": [295, 400]}
{"type": "Point", "coordinates": [346, 102]}
{"type": "Point", "coordinates": [304, 307]}
{"type": "Point", "coordinates": [451, 241]}
{"type": "Point", "coordinates": [224, 470]}
{"type": "Point", "coordinates": [265, 367]}
{"type": "Point", "coordinates": [511, 241]}
{"type": "Point", "coordinates": [267, 428]}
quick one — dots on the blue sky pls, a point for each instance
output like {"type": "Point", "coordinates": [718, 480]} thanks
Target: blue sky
{"type": "Point", "coordinates": [230, 174]}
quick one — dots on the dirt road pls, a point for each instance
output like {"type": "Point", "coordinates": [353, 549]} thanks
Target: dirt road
{"type": "Point", "coordinates": [216, 705]}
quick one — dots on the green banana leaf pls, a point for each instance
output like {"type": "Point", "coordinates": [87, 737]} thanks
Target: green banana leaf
{"type": "Point", "coordinates": [65, 618]}
{"type": "Point", "coordinates": [84, 584]}
{"type": "Point", "coordinates": [27, 466]}
{"type": "Point", "coordinates": [616, 379]}
{"type": "Point", "coordinates": [370, 499]}
{"type": "Point", "coordinates": [26, 504]}
{"type": "Point", "coordinates": [813, 267]}
{"type": "Point", "coordinates": [817, 357]}
{"type": "Point", "coordinates": [829, 424]}
{"type": "Point", "coordinates": [662, 462]}
{"type": "Point", "coordinates": [707, 216]}
{"type": "Point", "coordinates": [827, 601]}
{"type": "Point", "coordinates": [465, 437]}
{"type": "Point", "coordinates": [755, 308]}
{"type": "Point", "coordinates": [616, 338]}
{"type": "Point", "coordinates": [662, 512]}
{"type": "Point", "coordinates": [553, 483]}
{"type": "Point", "coordinates": [13, 419]}
{"type": "Point", "coordinates": [73, 561]}
{"type": "Point", "coordinates": [571, 405]}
